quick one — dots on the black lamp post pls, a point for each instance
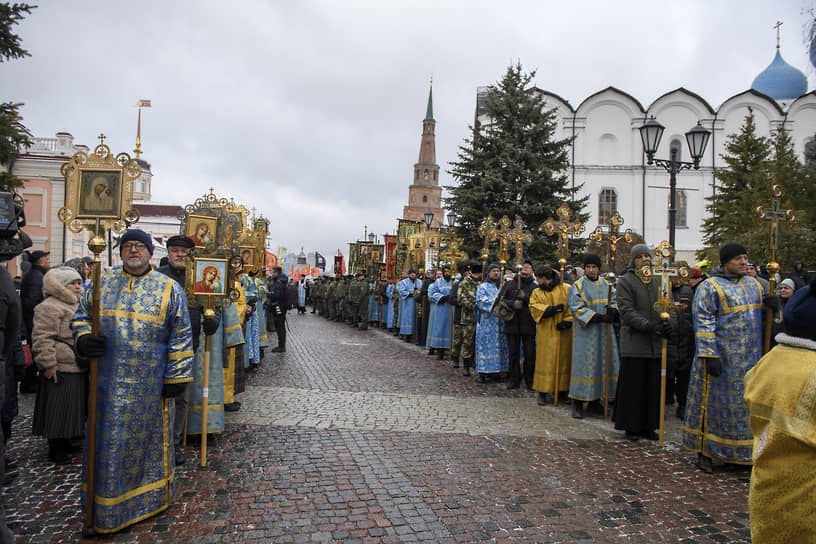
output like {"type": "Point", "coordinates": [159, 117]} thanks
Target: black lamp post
{"type": "Point", "coordinates": [428, 218]}
{"type": "Point", "coordinates": [451, 219]}
{"type": "Point", "coordinates": [697, 139]}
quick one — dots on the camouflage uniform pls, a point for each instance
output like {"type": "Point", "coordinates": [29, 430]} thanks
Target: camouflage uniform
{"type": "Point", "coordinates": [331, 299]}
{"type": "Point", "coordinates": [358, 303]}
{"type": "Point", "coordinates": [466, 296]}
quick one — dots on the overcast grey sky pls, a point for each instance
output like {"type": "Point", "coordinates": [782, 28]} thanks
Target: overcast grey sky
{"type": "Point", "coordinates": [311, 110]}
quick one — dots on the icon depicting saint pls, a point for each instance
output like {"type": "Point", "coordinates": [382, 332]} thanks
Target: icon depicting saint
{"type": "Point", "coordinates": [202, 236]}
{"type": "Point", "coordinates": [210, 281]}
{"type": "Point", "coordinates": [100, 198]}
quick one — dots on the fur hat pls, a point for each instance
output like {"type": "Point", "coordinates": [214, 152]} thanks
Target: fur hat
{"type": "Point", "coordinates": [136, 235]}
{"type": "Point", "coordinates": [591, 258]}
{"type": "Point", "coordinates": [731, 250]}
{"type": "Point", "coordinates": [64, 275]}
{"type": "Point", "coordinates": [800, 313]}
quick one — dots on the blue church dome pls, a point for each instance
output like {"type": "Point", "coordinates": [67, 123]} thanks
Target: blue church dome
{"type": "Point", "coordinates": [780, 80]}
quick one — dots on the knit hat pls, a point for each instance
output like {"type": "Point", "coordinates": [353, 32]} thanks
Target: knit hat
{"type": "Point", "coordinates": [64, 275]}
{"type": "Point", "coordinates": [800, 313]}
{"type": "Point", "coordinates": [491, 266]}
{"type": "Point", "coordinates": [789, 283]}
{"type": "Point", "coordinates": [591, 258]}
{"type": "Point", "coordinates": [637, 251]}
{"type": "Point", "coordinates": [136, 235]}
{"type": "Point", "coordinates": [731, 250]}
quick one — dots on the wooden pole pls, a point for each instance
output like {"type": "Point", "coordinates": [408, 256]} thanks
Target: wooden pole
{"type": "Point", "coordinates": [205, 392]}
{"type": "Point", "coordinates": [562, 262]}
{"type": "Point", "coordinates": [609, 332]}
{"type": "Point", "coordinates": [97, 246]}
{"type": "Point", "coordinates": [663, 358]}
{"type": "Point", "coordinates": [773, 268]}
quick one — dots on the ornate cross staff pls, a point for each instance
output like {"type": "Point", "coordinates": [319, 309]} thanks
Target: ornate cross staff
{"type": "Point", "coordinates": [613, 236]}
{"type": "Point", "coordinates": [565, 228]}
{"type": "Point", "coordinates": [99, 193]}
{"type": "Point", "coordinates": [451, 254]}
{"type": "Point", "coordinates": [518, 236]}
{"type": "Point", "coordinates": [665, 270]}
{"type": "Point", "coordinates": [774, 214]}
{"type": "Point", "coordinates": [499, 233]}
{"type": "Point", "coordinates": [484, 232]}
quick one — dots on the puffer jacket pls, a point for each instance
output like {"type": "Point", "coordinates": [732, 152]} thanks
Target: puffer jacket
{"type": "Point", "coordinates": [53, 343]}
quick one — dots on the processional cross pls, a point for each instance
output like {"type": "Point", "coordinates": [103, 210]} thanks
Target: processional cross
{"type": "Point", "coordinates": [499, 233]}
{"type": "Point", "coordinates": [613, 236]}
{"type": "Point", "coordinates": [517, 236]}
{"type": "Point", "coordinates": [452, 251]}
{"type": "Point", "coordinates": [564, 228]}
{"type": "Point", "coordinates": [484, 230]}
{"type": "Point", "coordinates": [774, 215]}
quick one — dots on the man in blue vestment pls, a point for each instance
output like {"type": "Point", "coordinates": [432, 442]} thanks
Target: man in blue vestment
{"type": "Point", "coordinates": [408, 289]}
{"type": "Point", "coordinates": [145, 353]}
{"type": "Point", "coordinates": [440, 332]}
{"type": "Point", "coordinates": [491, 342]}
{"type": "Point", "coordinates": [727, 312]}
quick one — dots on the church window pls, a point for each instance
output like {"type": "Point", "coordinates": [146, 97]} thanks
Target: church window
{"type": "Point", "coordinates": [607, 205]}
{"type": "Point", "coordinates": [436, 174]}
{"type": "Point", "coordinates": [681, 201]}
{"type": "Point", "coordinates": [424, 198]}
{"type": "Point", "coordinates": [426, 173]}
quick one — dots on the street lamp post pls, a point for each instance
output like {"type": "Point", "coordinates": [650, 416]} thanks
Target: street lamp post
{"type": "Point", "coordinates": [697, 139]}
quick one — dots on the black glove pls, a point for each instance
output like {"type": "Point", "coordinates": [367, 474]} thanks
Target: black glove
{"type": "Point", "coordinates": [549, 312]}
{"type": "Point", "coordinates": [713, 366]}
{"type": "Point", "coordinates": [772, 302]}
{"type": "Point", "coordinates": [91, 345]}
{"type": "Point", "coordinates": [443, 299]}
{"type": "Point", "coordinates": [564, 325]}
{"type": "Point", "coordinates": [559, 308]}
{"type": "Point", "coordinates": [597, 318]}
{"type": "Point", "coordinates": [518, 304]}
{"type": "Point", "coordinates": [663, 329]}
{"type": "Point", "coordinates": [611, 315]}
{"type": "Point", "coordinates": [210, 325]}
{"type": "Point", "coordinates": [172, 390]}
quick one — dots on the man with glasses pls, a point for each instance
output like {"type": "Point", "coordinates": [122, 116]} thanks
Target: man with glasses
{"type": "Point", "coordinates": [144, 355]}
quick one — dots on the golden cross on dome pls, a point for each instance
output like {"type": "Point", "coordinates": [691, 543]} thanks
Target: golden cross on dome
{"type": "Point", "coordinates": [776, 26]}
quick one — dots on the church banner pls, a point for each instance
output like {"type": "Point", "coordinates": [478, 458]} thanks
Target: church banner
{"type": "Point", "coordinates": [390, 257]}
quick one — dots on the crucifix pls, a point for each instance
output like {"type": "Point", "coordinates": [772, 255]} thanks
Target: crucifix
{"type": "Point", "coordinates": [517, 236]}
{"type": "Point", "coordinates": [774, 215]}
{"type": "Point", "coordinates": [498, 233]}
{"type": "Point", "coordinates": [484, 230]}
{"type": "Point", "coordinates": [564, 228]}
{"type": "Point", "coordinates": [666, 270]}
{"type": "Point", "coordinates": [613, 236]}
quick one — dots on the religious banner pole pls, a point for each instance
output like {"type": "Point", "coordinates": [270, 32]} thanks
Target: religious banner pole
{"type": "Point", "coordinates": [564, 228]}
{"type": "Point", "coordinates": [774, 215]}
{"type": "Point", "coordinates": [609, 332]}
{"type": "Point", "coordinates": [98, 196]}
{"type": "Point", "coordinates": [452, 254]}
{"type": "Point", "coordinates": [665, 270]}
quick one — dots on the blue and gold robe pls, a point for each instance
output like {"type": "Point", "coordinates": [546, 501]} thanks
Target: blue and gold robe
{"type": "Point", "coordinates": [589, 364]}
{"type": "Point", "coordinates": [149, 344]}
{"type": "Point", "coordinates": [389, 306]}
{"type": "Point", "coordinates": [727, 324]}
{"type": "Point", "coordinates": [231, 316]}
{"type": "Point", "coordinates": [373, 303]}
{"type": "Point", "coordinates": [228, 335]}
{"type": "Point", "coordinates": [492, 354]}
{"type": "Point", "coordinates": [259, 308]}
{"type": "Point", "coordinates": [439, 330]}
{"type": "Point", "coordinates": [407, 310]}
{"type": "Point", "coordinates": [252, 336]}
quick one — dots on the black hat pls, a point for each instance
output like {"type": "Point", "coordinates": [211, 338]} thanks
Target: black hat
{"type": "Point", "coordinates": [591, 258]}
{"type": "Point", "coordinates": [136, 235]}
{"type": "Point", "coordinates": [37, 255]}
{"type": "Point", "coordinates": [731, 250]}
{"type": "Point", "coordinates": [476, 268]}
{"type": "Point", "coordinates": [178, 240]}
{"type": "Point", "coordinates": [800, 313]}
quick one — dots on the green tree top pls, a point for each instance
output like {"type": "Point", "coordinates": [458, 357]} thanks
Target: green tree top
{"type": "Point", "coordinates": [513, 166]}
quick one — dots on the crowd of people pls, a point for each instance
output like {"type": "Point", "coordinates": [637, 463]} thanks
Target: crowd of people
{"type": "Point", "coordinates": [595, 342]}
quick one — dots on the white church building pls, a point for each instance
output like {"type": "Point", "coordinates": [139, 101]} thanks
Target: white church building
{"type": "Point", "coordinates": [607, 158]}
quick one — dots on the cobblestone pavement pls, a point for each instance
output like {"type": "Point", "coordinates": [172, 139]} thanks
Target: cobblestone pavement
{"type": "Point", "coordinates": [356, 436]}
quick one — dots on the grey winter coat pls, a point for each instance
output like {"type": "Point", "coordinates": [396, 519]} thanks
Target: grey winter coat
{"type": "Point", "coordinates": [636, 302]}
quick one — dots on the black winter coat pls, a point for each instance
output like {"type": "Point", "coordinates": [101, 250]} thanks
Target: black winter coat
{"type": "Point", "coordinates": [31, 294]}
{"type": "Point", "coordinates": [523, 322]}
{"type": "Point", "coordinates": [681, 340]}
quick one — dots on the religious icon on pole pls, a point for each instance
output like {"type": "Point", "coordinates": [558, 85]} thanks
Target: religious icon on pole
{"type": "Point", "coordinates": [98, 198]}
{"type": "Point", "coordinates": [201, 230]}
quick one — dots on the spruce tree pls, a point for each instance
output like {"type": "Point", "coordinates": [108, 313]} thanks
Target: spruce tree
{"type": "Point", "coordinates": [741, 186]}
{"type": "Point", "coordinates": [513, 166]}
{"type": "Point", "coordinates": [12, 136]}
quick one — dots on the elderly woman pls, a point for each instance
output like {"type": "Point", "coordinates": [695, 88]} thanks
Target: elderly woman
{"type": "Point", "coordinates": [60, 409]}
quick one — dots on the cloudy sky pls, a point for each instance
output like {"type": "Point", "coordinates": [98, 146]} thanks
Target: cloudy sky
{"type": "Point", "coordinates": [310, 111]}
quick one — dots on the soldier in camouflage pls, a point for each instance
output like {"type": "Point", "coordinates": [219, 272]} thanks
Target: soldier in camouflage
{"type": "Point", "coordinates": [466, 298]}
{"type": "Point", "coordinates": [358, 301]}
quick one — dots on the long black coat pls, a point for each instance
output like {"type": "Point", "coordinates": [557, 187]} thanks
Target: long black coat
{"type": "Point", "coordinates": [681, 340]}
{"type": "Point", "coordinates": [31, 294]}
{"type": "Point", "coordinates": [522, 323]}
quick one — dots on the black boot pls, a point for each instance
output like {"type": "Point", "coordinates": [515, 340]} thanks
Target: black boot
{"type": "Point", "coordinates": [577, 409]}
{"type": "Point", "coordinates": [704, 463]}
{"type": "Point", "coordinates": [466, 362]}
{"type": "Point", "coordinates": [455, 362]}
{"type": "Point", "coordinates": [441, 355]}
{"type": "Point", "coordinates": [57, 453]}
{"type": "Point", "coordinates": [482, 378]}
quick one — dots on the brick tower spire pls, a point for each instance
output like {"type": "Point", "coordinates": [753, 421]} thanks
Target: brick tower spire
{"type": "Point", "coordinates": [425, 193]}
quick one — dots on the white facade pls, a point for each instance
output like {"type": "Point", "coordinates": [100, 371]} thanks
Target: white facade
{"type": "Point", "coordinates": [607, 152]}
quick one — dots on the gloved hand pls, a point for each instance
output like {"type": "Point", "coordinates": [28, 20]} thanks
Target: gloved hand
{"type": "Point", "coordinates": [518, 304]}
{"type": "Point", "coordinates": [772, 302]}
{"type": "Point", "coordinates": [443, 299]}
{"type": "Point", "coordinates": [210, 325]}
{"type": "Point", "coordinates": [663, 329]}
{"type": "Point", "coordinates": [173, 390]}
{"type": "Point", "coordinates": [549, 312]}
{"type": "Point", "coordinates": [83, 362]}
{"type": "Point", "coordinates": [597, 318]}
{"type": "Point", "coordinates": [713, 366]}
{"type": "Point", "coordinates": [91, 345]}
{"type": "Point", "coordinates": [559, 308]}
{"type": "Point", "coordinates": [611, 315]}
{"type": "Point", "coordinates": [564, 325]}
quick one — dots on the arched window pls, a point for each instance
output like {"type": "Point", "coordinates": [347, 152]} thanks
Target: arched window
{"type": "Point", "coordinates": [607, 205]}
{"type": "Point", "coordinates": [424, 198]}
{"type": "Point", "coordinates": [436, 174]}
{"type": "Point", "coordinates": [426, 173]}
{"type": "Point", "coordinates": [681, 201]}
